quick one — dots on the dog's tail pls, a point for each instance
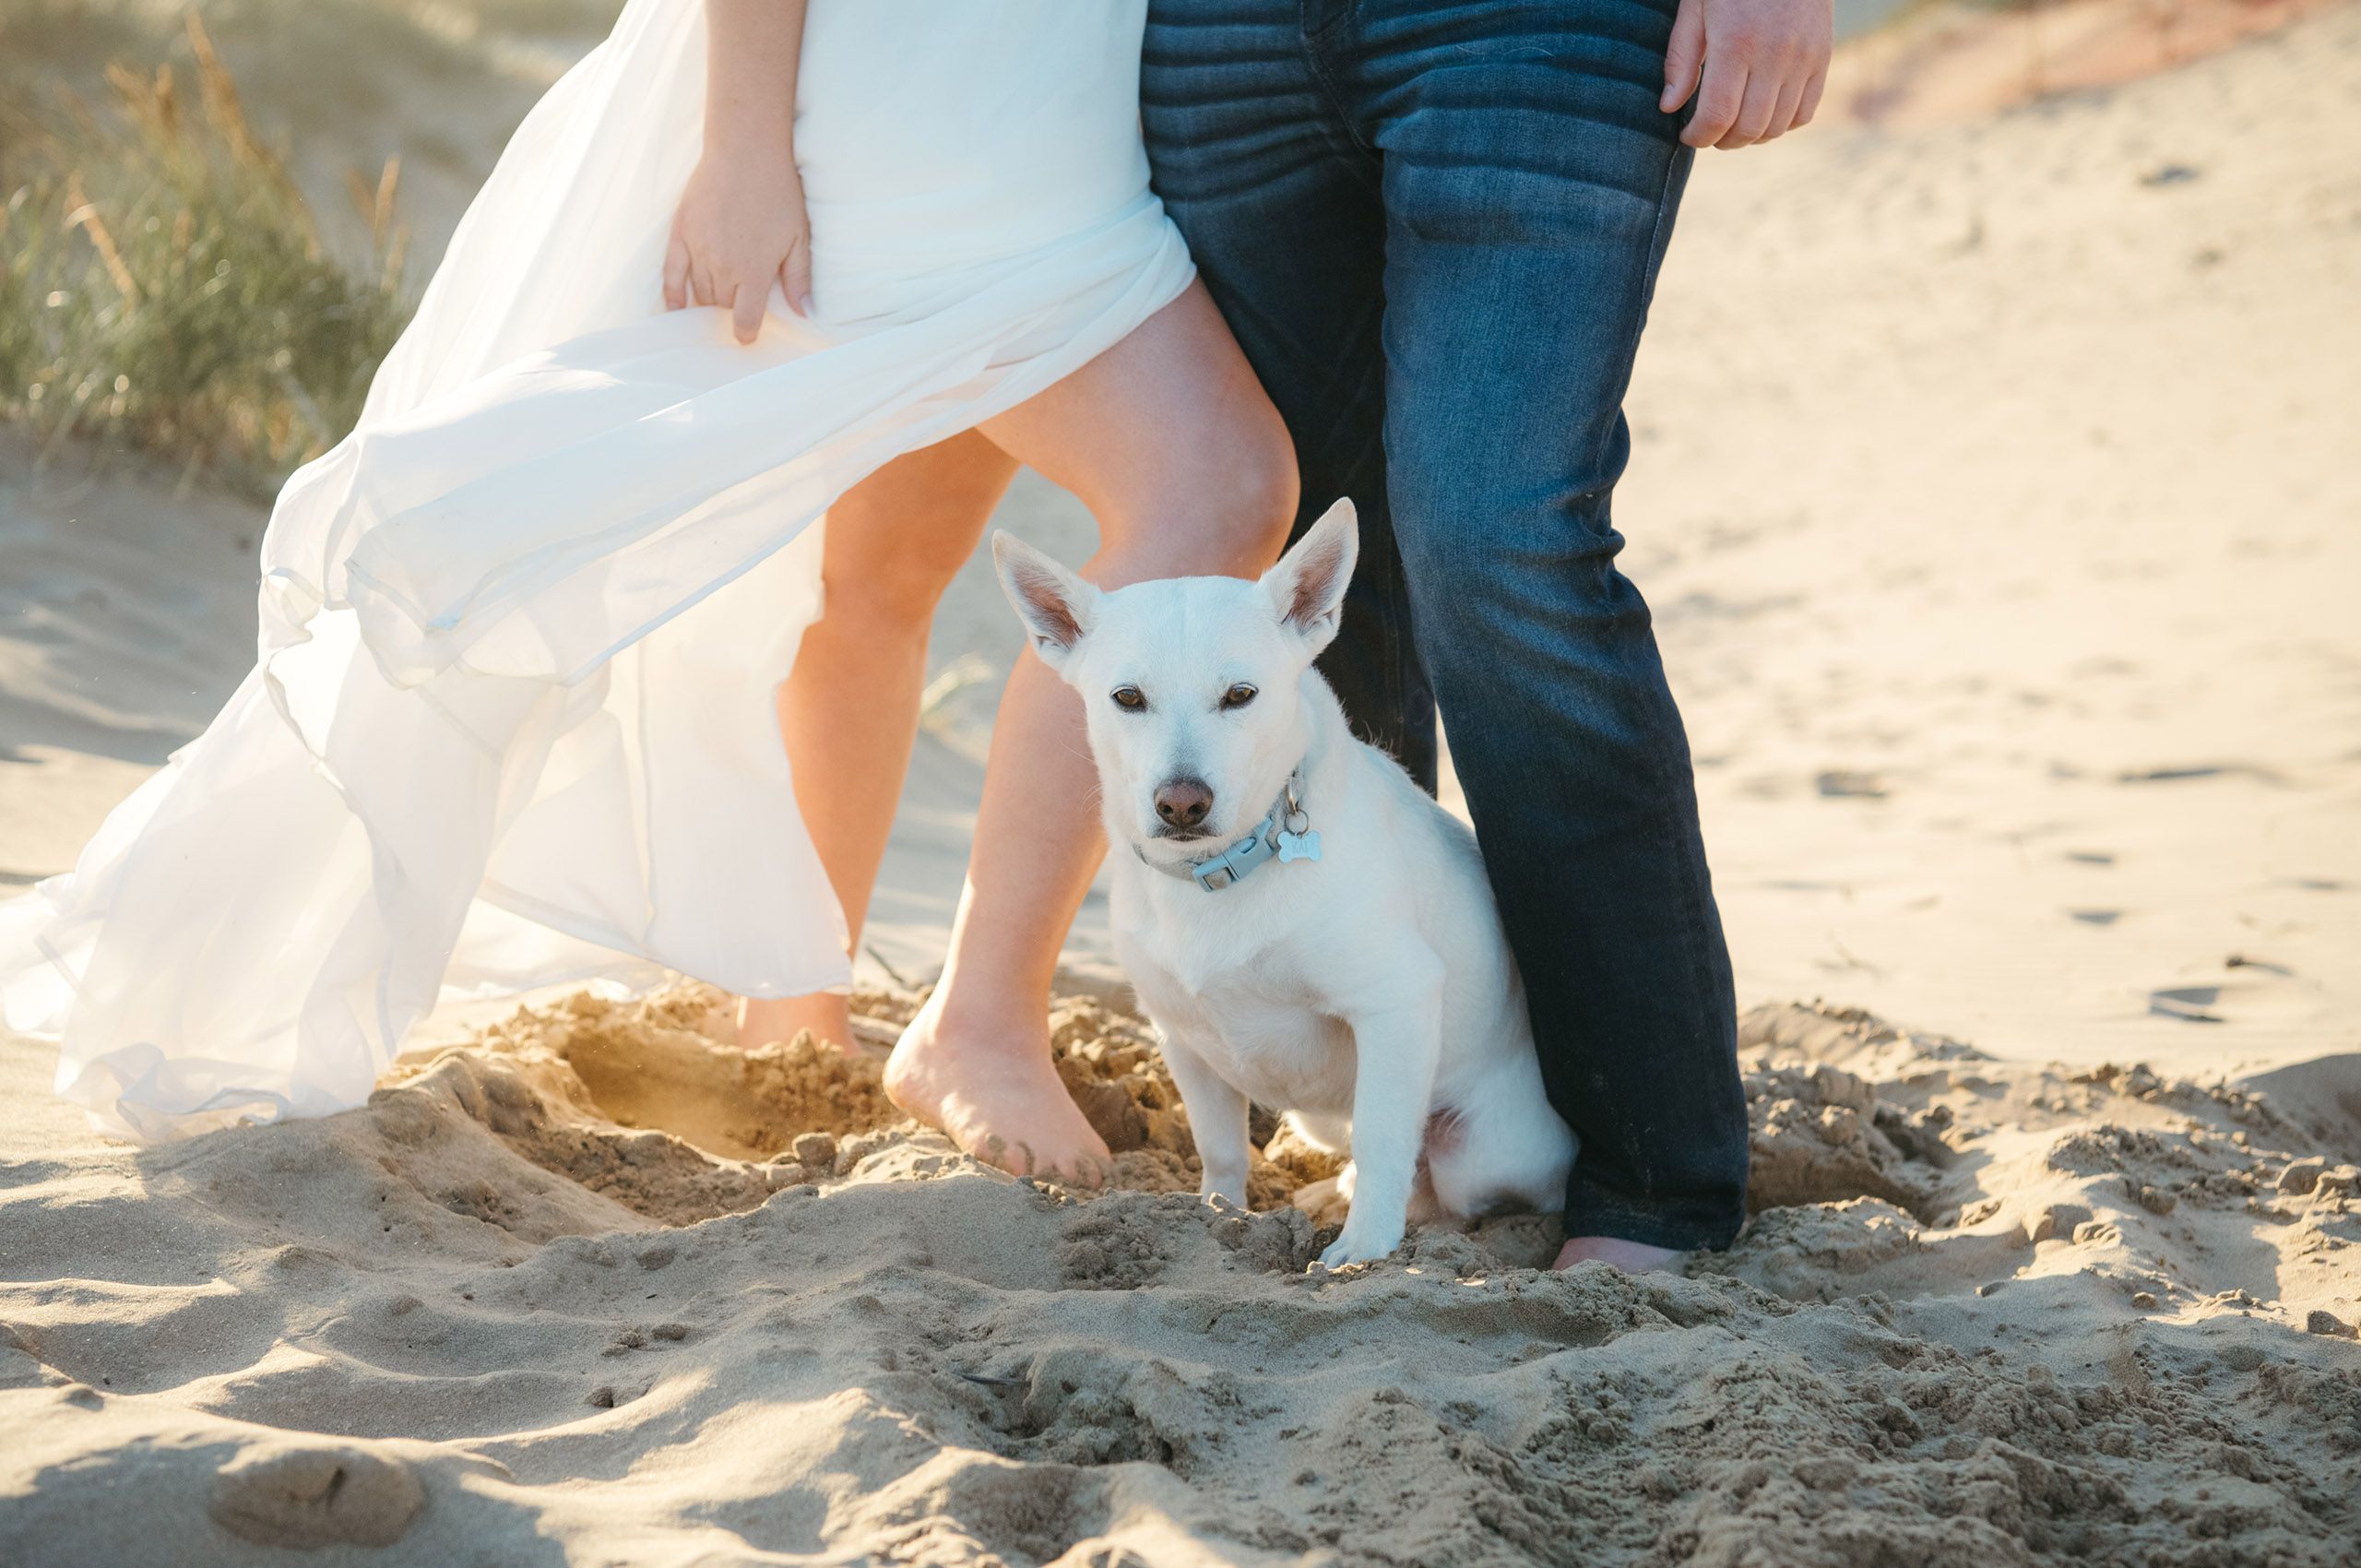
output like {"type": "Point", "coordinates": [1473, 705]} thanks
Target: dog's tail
{"type": "Point", "coordinates": [1504, 1147]}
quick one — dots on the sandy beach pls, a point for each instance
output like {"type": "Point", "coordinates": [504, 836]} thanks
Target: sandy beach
{"type": "Point", "coordinates": [1991, 488]}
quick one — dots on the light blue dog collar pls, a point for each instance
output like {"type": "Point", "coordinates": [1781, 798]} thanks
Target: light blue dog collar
{"type": "Point", "coordinates": [1284, 833]}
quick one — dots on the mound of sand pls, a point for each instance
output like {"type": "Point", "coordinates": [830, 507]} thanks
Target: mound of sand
{"type": "Point", "coordinates": [599, 1283]}
{"type": "Point", "coordinates": [1937, 60]}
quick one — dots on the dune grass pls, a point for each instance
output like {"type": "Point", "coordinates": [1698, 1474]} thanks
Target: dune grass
{"type": "Point", "coordinates": [164, 285]}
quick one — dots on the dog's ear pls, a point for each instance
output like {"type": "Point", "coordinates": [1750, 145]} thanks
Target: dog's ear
{"type": "Point", "coordinates": [1307, 587]}
{"type": "Point", "coordinates": [1056, 606]}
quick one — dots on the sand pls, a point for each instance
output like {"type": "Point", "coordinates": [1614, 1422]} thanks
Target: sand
{"type": "Point", "coordinates": [600, 1287]}
{"type": "Point", "coordinates": [1992, 490]}
{"type": "Point", "coordinates": [1993, 487]}
{"type": "Point", "coordinates": [1938, 63]}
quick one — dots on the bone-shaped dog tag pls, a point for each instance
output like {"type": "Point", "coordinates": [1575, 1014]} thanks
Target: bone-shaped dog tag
{"type": "Point", "coordinates": [1299, 846]}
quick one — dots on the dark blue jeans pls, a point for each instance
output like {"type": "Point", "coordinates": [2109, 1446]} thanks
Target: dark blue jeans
{"type": "Point", "coordinates": [1434, 225]}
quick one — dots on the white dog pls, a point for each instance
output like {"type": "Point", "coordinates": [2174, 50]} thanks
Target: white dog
{"type": "Point", "coordinates": [1305, 926]}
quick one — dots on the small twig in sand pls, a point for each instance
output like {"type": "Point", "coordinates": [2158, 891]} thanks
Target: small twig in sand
{"type": "Point", "coordinates": [1852, 959]}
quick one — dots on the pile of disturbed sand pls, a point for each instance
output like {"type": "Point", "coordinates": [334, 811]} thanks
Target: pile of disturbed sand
{"type": "Point", "coordinates": [727, 1127]}
{"type": "Point", "coordinates": [599, 1286]}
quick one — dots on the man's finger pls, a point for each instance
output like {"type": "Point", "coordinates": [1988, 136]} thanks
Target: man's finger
{"type": "Point", "coordinates": [1718, 100]}
{"type": "Point", "coordinates": [676, 274]}
{"type": "Point", "coordinates": [1754, 112]}
{"type": "Point", "coordinates": [1809, 106]}
{"type": "Point", "coordinates": [1783, 114]}
{"type": "Point", "coordinates": [746, 310]}
{"type": "Point", "coordinates": [795, 277]}
{"type": "Point", "coordinates": [1684, 56]}
{"type": "Point", "coordinates": [701, 284]}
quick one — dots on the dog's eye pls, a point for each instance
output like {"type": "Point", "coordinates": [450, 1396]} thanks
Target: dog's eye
{"type": "Point", "coordinates": [1129, 699]}
{"type": "Point", "coordinates": [1237, 695]}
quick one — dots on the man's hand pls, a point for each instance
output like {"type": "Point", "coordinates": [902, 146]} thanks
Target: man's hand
{"type": "Point", "coordinates": [1763, 63]}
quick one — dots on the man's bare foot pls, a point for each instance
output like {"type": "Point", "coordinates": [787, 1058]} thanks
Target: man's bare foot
{"type": "Point", "coordinates": [995, 1094]}
{"type": "Point", "coordinates": [771, 1020]}
{"type": "Point", "coordinates": [1631, 1258]}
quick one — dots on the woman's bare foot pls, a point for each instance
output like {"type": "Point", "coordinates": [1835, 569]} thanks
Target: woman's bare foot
{"type": "Point", "coordinates": [772, 1020]}
{"type": "Point", "coordinates": [993, 1091]}
{"type": "Point", "coordinates": [1631, 1258]}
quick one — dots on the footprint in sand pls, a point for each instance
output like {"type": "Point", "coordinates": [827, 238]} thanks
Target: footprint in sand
{"type": "Point", "coordinates": [1838, 783]}
{"type": "Point", "coordinates": [2189, 1004]}
{"type": "Point", "coordinates": [2182, 773]}
{"type": "Point", "coordinates": [2264, 994]}
{"type": "Point", "coordinates": [313, 1497]}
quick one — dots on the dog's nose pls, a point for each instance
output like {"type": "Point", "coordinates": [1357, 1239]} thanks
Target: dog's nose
{"type": "Point", "coordinates": [1183, 802]}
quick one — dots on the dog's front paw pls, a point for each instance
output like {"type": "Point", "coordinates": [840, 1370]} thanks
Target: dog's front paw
{"type": "Point", "coordinates": [1366, 1244]}
{"type": "Point", "coordinates": [1224, 1190]}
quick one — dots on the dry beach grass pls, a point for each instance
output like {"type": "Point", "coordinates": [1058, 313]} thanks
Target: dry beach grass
{"type": "Point", "coordinates": [165, 286]}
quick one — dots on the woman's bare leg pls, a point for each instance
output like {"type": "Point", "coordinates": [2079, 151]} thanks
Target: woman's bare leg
{"type": "Point", "coordinates": [849, 709]}
{"type": "Point", "coordinates": [1168, 440]}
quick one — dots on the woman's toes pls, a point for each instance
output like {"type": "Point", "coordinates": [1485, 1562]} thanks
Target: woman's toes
{"type": "Point", "coordinates": [1001, 1101]}
{"type": "Point", "coordinates": [998, 1153]}
{"type": "Point", "coordinates": [1076, 1168]}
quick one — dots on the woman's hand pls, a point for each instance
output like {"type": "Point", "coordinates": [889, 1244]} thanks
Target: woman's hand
{"type": "Point", "coordinates": [741, 228]}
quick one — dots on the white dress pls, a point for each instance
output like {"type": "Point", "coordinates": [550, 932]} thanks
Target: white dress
{"type": "Point", "coordinates": [512, 717]}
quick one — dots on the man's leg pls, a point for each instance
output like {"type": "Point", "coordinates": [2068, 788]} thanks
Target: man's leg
{"type": "Point", "coordinates": [1281, 206]}
{"type": "Point", "coordinates": [1529, 188]}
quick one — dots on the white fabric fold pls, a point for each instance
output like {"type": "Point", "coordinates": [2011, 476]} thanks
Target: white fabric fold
{"type": "Point", "coordinates": [512, 718]}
